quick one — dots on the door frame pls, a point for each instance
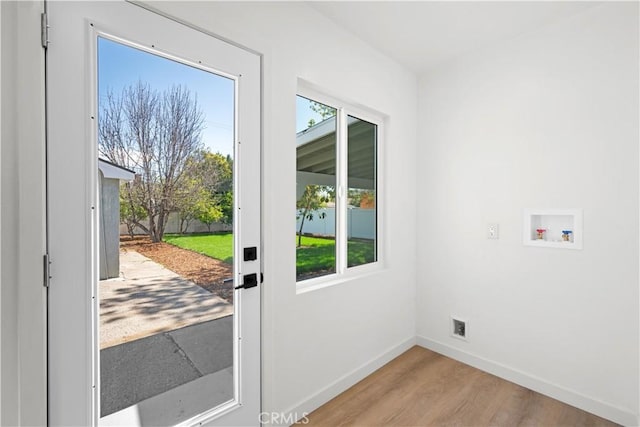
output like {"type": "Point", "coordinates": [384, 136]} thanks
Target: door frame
{"type": "Point", "coordinates": [23, 352]}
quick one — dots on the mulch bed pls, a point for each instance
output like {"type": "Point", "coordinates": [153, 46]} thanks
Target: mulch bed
{"type": "Point", "coordinates": [206, 272]}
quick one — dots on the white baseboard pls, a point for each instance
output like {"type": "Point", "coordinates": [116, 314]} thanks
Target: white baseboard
{"type": "Point", "coordinates": [318, 399]}
{"type": "Point", "coordinates": [573, 398]}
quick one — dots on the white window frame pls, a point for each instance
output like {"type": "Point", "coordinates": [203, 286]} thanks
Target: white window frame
{"type": "Point", "coordinates": [345, 109]}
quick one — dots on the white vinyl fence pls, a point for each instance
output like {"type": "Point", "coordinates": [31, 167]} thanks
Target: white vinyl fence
{"type": "Point", "coordinates": [173, 226]}
{"type": "Point", "coordinates": [361, 223]}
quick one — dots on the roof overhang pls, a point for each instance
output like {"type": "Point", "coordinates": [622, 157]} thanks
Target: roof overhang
{"type": "Point", "coordinates": [316, 153]}
{"type": "Point", "coordinates": [113, 171]}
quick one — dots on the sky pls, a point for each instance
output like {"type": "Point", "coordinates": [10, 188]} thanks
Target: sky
{"type": "Point", "coordinates": [304, 113]}
{"type": "Point", "coordinates": [120, 66]}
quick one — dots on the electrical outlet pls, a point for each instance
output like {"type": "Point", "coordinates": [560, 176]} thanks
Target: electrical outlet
{"type": "Point", "coordinates": [492, 231]}
{"type": "Point", "coordinates": [459, 328]}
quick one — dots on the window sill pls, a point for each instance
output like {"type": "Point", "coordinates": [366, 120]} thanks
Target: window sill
{"type": "Point", "coordinates": [353, 273]}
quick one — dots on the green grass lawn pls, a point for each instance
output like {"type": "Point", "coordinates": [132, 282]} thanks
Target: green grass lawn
{"type": "Point", "coordinates": [319, 255]}
{"type": "Point", "coordinates": [219, 245]}
{"type": "Point", "coordinates": [315, 254]}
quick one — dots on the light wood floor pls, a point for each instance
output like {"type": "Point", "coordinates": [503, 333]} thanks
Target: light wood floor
{"type": "Point", "coordinates": [423, 388]}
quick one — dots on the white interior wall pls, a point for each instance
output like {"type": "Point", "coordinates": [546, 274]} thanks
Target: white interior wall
{"type": "Point", "coordinates": [547, 120]}
{"type": "Point", "coordinates": [318, 342]}
{"type": "Point", "coordinates": [23, 310]}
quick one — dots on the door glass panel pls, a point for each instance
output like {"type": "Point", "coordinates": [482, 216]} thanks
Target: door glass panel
{"type": "Point", "coordinates": [315, 189]}
{"type": "Point", "coordinates": [166, 236]}
{"type": "Point", "coordinates": [361, 174]}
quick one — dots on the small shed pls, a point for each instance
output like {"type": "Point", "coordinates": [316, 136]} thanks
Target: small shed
{"type": "Point", "coordinates": [110, 177]}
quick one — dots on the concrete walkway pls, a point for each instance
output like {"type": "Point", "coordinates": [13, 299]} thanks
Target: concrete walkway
{"type": "Point", "coordinates": [148, 299]}
{"type": "Point", "coordinates": [195, 361]}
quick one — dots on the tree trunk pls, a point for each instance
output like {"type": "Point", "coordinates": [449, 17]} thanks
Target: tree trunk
{"type": "Point", "coordinates": [184, 225]}
{"type": "Point", "coordinates": [153, 229]}
{"type": "Point", "coordinates": [139, 225]}
{"type": "Point", "coordinates": [131, 221]}
{"type": "Point", "coordinates": [130, 229]}
{"type": "Point", "coordinates": [301, 225]}
{"type": "Point", "coordinates": [159, 230]}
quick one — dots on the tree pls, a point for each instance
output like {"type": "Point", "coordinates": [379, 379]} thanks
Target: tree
{"type": "Point", "coordinates": [155, 134]}
{"type": "Point", "coordinates": [207, 211]}
{"type": "Point", "coordinates": [313, 198]}
{"type": "Point", "coordinates": [131, 212]}
{"type": "Point", "coordinates": [323, 110]}
{"type": "Point", "coordinates": [225, 202]}
{"type": "Point", "coordinates": [187, 202]}
{"type": "Point", "coordinates": [361, 198]}
{"type": "Point", "coordinates": [208, 195]}
{"type": "Point", "coordinates": [224, 191]}
{"type": "Point", "coordinates": [214, 170]}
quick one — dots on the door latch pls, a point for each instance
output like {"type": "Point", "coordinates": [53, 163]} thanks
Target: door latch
{"type": "Point", "coordinates": [249, 281]}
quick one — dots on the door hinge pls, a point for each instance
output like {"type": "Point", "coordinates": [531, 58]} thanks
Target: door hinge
{"type": "Point", "coordinates": [46, 264]}
{"type": "Point", "coordinates": [44, 30]}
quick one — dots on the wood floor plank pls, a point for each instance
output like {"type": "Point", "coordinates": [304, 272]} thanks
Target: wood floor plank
{"type": "Point", "coordinates": [423, 388]}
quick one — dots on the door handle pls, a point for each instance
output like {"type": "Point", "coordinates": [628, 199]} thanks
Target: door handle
{"type": "Point", "coordinates": [249, 281]}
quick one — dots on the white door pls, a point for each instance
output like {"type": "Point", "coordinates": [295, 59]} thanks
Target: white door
{"type": "Point", "coordinates": [151, 122]}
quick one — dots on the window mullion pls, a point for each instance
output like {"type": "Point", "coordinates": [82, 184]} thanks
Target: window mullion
{"type": "Point", "coordinates": [341, 192]}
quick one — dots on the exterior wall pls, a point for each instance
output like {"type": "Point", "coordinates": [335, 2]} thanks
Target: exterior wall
{"type": "Point", "coordinates": [109, 227]}
{"type": "Point", "coordinates": [546, 120]}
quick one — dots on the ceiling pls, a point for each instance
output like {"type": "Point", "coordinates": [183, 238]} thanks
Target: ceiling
{"type": "Point", "coordinates": [423, 34]}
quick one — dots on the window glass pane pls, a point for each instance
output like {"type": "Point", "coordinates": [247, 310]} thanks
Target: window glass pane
{"type": "Point", "coordinates": [362, 204]}
{"type": "Point", "coordinates": [166, 317]}
{"type": "Point", "coordinates": [315, 189]}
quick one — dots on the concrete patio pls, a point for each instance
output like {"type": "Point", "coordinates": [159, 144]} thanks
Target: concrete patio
{"type": "Point", "coordinates": [148, 299]}
{"type": "Point", "coordinates": [141, 372]}
{"type": "Point", "coordinates": [159, 332]}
